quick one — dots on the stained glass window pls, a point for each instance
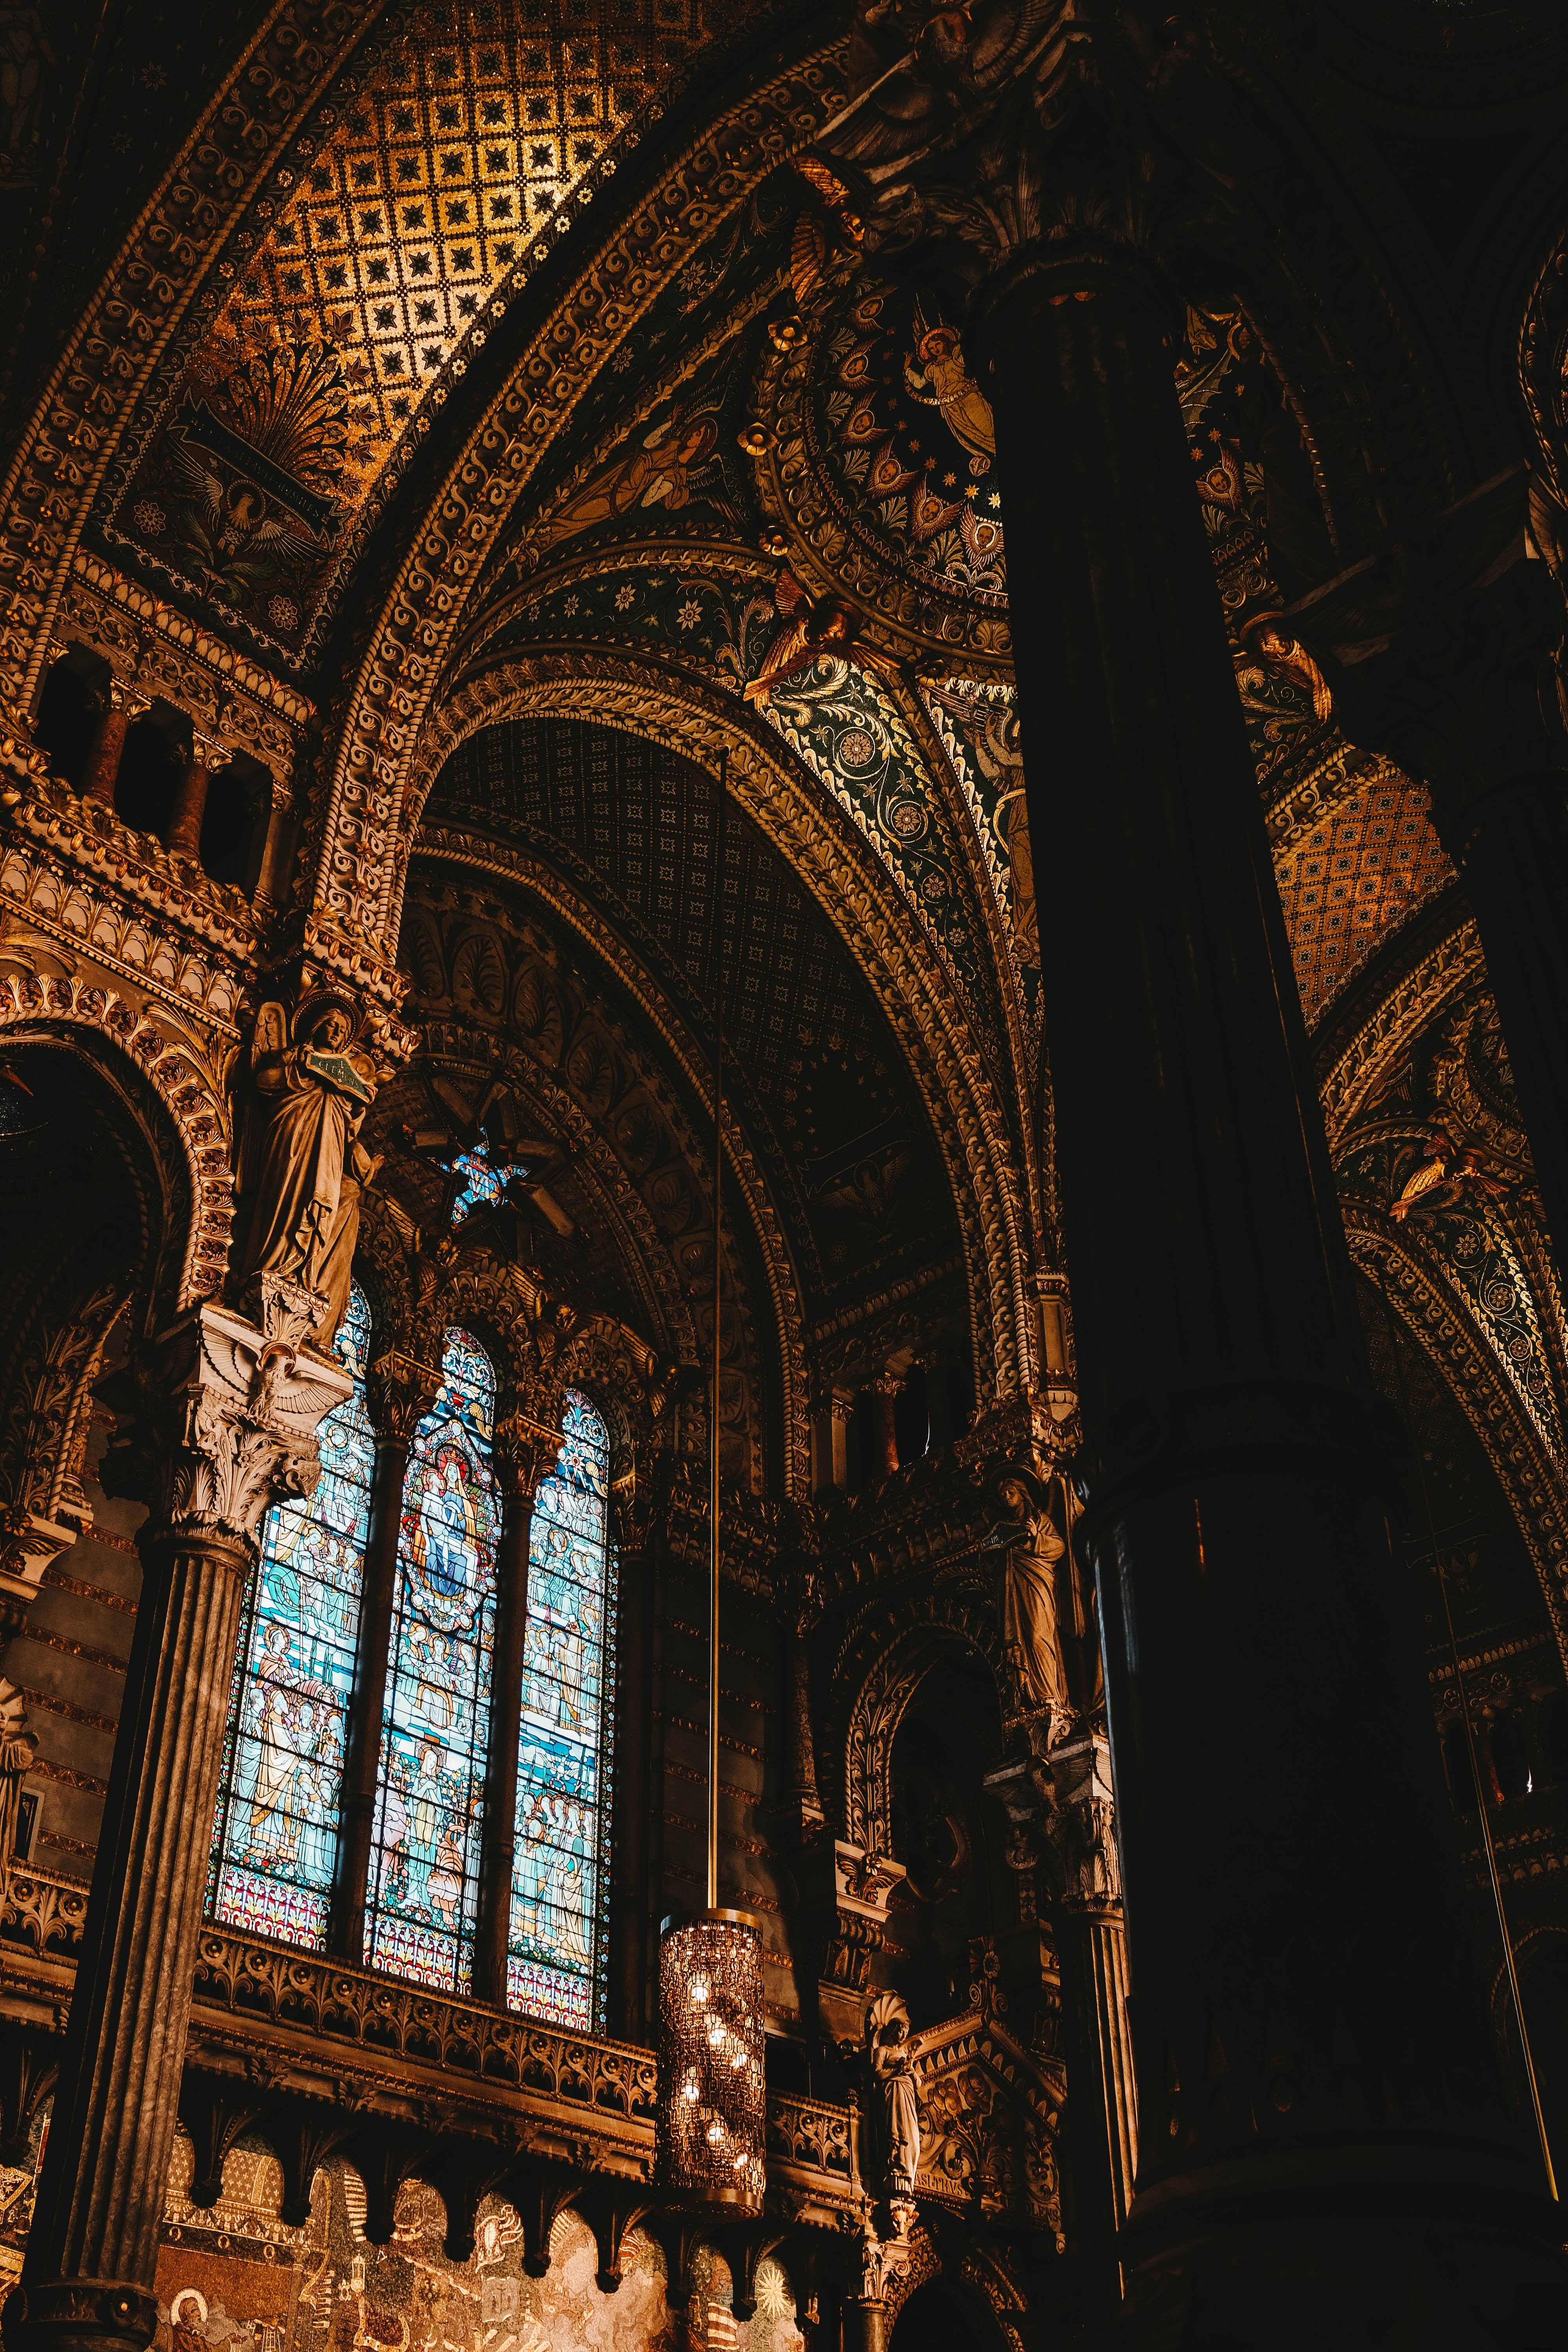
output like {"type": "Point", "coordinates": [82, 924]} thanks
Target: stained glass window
{"type": "Point", "coordinates": [423, 1894]}
{"type": "Point", "coordinates": [480, 1182]}
{"type": "Point", "coordinates": [275, 1840]}
{"type": "Point", "coordinates": [556, 1956]}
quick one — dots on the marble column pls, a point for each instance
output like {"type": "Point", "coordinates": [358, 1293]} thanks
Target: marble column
{"type": "Point", "coordinates": [1321, 2124]}
{"type": "Point", "coordinates": [522, 1456]}
{"type": "Point", "coordinates": [1092, 1945]}
{"type": "Point", "coordinates": [637, 1789]}
{"type": "Point", "coordinates": [227, 1427]}
{"type": "Point", "coordinates": [399, 1393]}
{"type": "Point", "coordinates": [882, 1447]}
{"type": "Point", "coordinates": [206, 758]}
{"type": "Point", "coordinates": [123, 705]}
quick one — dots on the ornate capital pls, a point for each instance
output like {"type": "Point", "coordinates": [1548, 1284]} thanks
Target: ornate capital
{"type": "Point", "coordinates": [1084, 1826]}
{"type": "Point", "coordinates": [523, 1452]}
{"type": "Point", "coordinates": [992, 129]}
{"type": "Point", "coordinates": [29, 1542]}
{"type": "Point", "coordinates": [226, 1421]}
{"type": "Point", "coordinates": [399, 1391]}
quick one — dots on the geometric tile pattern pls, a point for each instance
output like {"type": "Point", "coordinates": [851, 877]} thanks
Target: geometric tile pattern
{"type": "Point", "coordinates": [1354, 878]}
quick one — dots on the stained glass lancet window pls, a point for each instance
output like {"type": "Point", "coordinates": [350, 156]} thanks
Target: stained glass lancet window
{"type": "Point", "coordinates": [423, 1894]}
{"type": "Point", "coordinates": [556, 1959]}
{"type": "Point", "coordinates": [275, 1840]}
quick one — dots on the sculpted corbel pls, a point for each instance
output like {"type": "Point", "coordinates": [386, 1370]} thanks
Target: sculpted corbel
{"type": "Point", "coordinates": [226, 1417]}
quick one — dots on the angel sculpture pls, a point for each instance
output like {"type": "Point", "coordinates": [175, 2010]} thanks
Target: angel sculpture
{"type": "Point", "coordinates": [893, 2073]}
{"type": "Point", "coordinates": [825, 627]}
{"type": "Point", "coordinates": [310, 1168]}
{"type": "Point", "coordinates": [237, 541]}
{"type": "Point", "coordinates": [1430, 1171]}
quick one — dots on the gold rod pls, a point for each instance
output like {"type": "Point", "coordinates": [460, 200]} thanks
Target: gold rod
{"type": "Point", "coordinates": [1474, 1755]}
{"type": "Point", "coordinates": [718, 1300]}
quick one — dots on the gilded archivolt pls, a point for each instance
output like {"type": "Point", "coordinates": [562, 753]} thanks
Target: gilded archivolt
{"type": "Point", "coordinates": [864, 906]}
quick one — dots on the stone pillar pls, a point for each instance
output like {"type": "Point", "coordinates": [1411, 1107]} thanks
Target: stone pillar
{"type": "Point", "coordinates": [185, 824]}
{"type": "Point", "coordinates": [124, 705]}
{"type": "Point", "coordinates": [882, 1428]}
{"type": "Point", "coordinates": [638, 1790]}
{"type": "Point", "coordinates": [1320, 2116]}
{"type": "Point", "coordinates": [522, 1456]}
{"type": "Point", "coordinates": [1093, 1950]}
{"type": "Point", "coordinates": [830, 1440]}
{"type": "Point", "coordinates": [229, 1427]}
{"type": "Point", "coordinates": [800, 1806]}
{"type": "Point", "coordinates": [399, 1391]}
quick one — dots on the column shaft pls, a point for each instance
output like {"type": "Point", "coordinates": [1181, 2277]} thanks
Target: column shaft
{"type": "Point", "coordinates": [190, 808]}
{"type": "Point", "coordinates": [94, 2243]}
{"type": "Point", "coordinates": [1299, 1997]}
{"type": "Point", "coordinates": [107, 743]}
{"type": "Point", "coordinates": [345, 1932]}
{"type": "Point", "coordinates": [631, 1897]}
{"type": "Point", "coordinates": [498, 1836]}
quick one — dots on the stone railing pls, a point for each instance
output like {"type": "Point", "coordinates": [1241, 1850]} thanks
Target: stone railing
{"type": "Point", "coordinates": [303, 2028]}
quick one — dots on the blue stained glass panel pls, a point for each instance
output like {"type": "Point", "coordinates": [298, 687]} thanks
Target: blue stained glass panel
{"type": "Point", "coordinates": [423, 1894]}
{"type": "Point", "coordinates": [480, 1182]}
{"type": "Point", "coordinates": [274, 1839]}
{"type": "Point", "coordinates": [555, 1966]}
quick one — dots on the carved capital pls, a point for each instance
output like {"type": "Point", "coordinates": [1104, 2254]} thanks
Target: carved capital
{"type": "Point", "coordinates": [1084, 1824]}
{"type": "Point", "coordinates": [399, 1391]}
{"type": "Point", "coordinates": [29, 1542]}
{"type": "Point", "coordinates": [226, 1423]}
{"type": "Point", "coordinates": [994, 130]}
{"type": "Point", "coordinates": [523, 1452]}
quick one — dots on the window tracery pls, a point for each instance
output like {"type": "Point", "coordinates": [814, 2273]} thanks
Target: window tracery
{"type": "Point", "coordinates": [275, 1842]}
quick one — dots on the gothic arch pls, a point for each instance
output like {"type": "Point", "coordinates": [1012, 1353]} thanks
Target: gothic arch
{"type": "Point", "coordinates": [692, 717]}
{"type": "Point", "coordinates": [877, 1701]}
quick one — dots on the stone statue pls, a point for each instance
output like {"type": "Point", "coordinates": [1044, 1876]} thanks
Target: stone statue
{"type": "Point", "coordinates": [1029, 1603]}
{"type": "Point", "coordinates": [893, 2073]}
{"type": "Point", "coordinates": [309, 1170]}
{"type": "Point", "coordinates": [18, 1751]}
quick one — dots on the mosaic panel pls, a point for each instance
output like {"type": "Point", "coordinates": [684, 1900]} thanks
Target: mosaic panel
{"type": "Point", "coordinates": [1356, 877]}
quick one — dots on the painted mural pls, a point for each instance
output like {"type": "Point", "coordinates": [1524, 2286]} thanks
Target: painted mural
{"type": "Point", "coordinates": [235, 2278]}
{"type": "Point", "coordinates": [275, 1840]}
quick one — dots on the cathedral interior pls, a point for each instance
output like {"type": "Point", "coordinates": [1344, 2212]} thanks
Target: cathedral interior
{"type": "Point", "coordinates": [784, 1144]}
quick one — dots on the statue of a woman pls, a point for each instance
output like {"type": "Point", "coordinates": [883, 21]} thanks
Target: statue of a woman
{"type": "Point", "coordinates": [1029, 1603]}
{"type": "Point", "coordinates": [317, 1090]}
{"type": "Point", "coordinates": [892, 2069]}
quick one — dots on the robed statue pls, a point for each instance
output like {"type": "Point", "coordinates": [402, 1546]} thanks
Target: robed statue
{"type": "Point", "coordinates": [1029, 1627]}
{"type": "Point", "coordinates": [18, 1751]}
{"type": "Point", "coordinates": [892, 2073]}
{"type": "Point", "coordinates": [308, 1169]}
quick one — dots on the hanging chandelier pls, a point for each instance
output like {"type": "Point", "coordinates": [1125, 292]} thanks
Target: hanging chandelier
{"type": "Point", "coordinates": [711, 2117]}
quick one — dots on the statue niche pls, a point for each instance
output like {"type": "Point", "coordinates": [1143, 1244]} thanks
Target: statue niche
{"type": "Point", "coordinates": [305, 1169]}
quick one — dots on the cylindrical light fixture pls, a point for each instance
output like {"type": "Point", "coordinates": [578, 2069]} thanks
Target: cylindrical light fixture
{"type": "Point", "coordinates": [711, 2096]}
{"type": "Point", "coordinates": [709, 2142]}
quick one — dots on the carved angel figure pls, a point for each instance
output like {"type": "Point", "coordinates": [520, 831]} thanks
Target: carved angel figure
{"type": "Point", "coordinates": [893, 2073]}
{"type": "Point", "coordinates": [1029, 1603]}
{"type": "Point", "coordinates": [309, 1170]}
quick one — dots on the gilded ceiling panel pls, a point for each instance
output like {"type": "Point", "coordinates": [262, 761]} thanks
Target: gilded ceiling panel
{"type": "Point", "coordinates": [419, 198]}
{"type": "Point", "coordinates": [1351, 881]}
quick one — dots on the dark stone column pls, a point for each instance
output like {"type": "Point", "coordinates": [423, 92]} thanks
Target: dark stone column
{"type": "Point", "coordinates": [1091, 1940]}
{"type": "Point", "coordinates": [1321, 2127]}
{"type": "Point", "coordinates": [229, 1427]}
{"type": "Point", "coordinates": [522, 1456]}
{"type": "Point", "coordinates": [631, 1831]}
{"type": "Point", "coordinates": [399, 1391]}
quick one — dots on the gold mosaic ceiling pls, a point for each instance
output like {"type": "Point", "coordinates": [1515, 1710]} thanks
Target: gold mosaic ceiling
{"type": "Point", "coordinates": [424, 187]}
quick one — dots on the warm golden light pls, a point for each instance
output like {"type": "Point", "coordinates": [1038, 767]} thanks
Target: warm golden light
{"type": "Point", "coordinates": [710, 2143]}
